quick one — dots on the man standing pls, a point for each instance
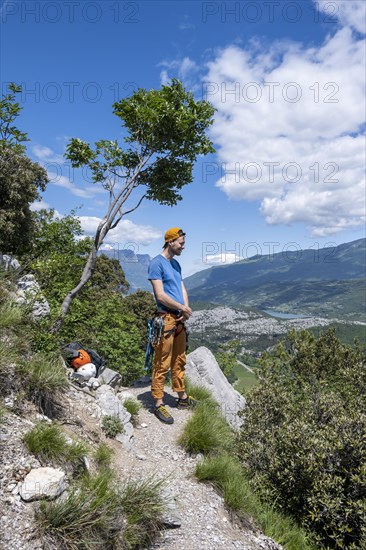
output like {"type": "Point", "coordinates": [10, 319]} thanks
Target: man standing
{"type": "Point", "coordinates": [172, 304]}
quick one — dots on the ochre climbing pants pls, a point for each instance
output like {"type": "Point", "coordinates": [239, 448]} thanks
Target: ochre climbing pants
{"type": "Point", "coordinates": [169, 354]}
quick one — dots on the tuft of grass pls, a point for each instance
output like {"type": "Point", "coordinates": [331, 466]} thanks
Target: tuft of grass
{"type": "Point", "coordinates": [11, 315]}
{"type": "Point", "coordinates": [103, 456]}
{"type": "Point", "coordinates": [98, 514]}
{"type": "Point", "coordinates": [132, 406]}
{"type": "Point", "coordinates": [87, 518]}
{"type": "Point", "coordinates": [45, 380]}
{"type": "Point", "coordinates": [46, 441]}
{"type": "Point", "coordinates": [227, 474]}
{"type": "Point", "coordinates": [49, 443]}
{"type": "Point", "coordinates": [143, 507]}
{"type": "Point", "coordinates": [206, 430]}
{"type": "Point", "coordinates": [111, 425]}
{"type": "Point", "coordinates": [199, 393]}
{"type": "Point", "coordinates": [9, 353]}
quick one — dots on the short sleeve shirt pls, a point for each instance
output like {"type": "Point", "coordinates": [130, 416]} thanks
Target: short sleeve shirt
{"type": "Point", "coordinates": [170, 273]}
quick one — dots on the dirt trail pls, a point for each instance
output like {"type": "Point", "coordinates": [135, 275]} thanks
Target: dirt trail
{"type": "Point", "coordinates": [205, 522]}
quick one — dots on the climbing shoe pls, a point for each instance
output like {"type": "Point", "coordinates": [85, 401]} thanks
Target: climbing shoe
{"type": "Point", "coordinates": [162, 413]}
{"type": "Point", "coordinates": [187, 403]}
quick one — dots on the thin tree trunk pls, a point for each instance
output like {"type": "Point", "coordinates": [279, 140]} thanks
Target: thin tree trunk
{"type": "Point", "coordinates": [85, 276]}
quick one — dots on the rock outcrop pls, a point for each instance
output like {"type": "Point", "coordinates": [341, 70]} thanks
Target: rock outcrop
{"type": "Point", "coordinates": [9, 263]}
{"type": "Point", "coordinates": [203, 369]}
{"type": "Point", "coordinates": [29, 292]}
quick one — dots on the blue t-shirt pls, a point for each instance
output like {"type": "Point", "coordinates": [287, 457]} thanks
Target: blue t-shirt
{"type": "Point", "coordinates": [170, 273]}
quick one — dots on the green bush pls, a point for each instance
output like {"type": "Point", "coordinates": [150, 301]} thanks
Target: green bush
{"type": "Point", "coordinates": [48, 442]}
{"type": "Point", "coordinates": [45, 380]}
{"type": "Point", "coordinates": [97, 514]}
{"type": "Point", "coordinates": [98, 316]}
{"type": "Point", "coordinates": [304, 436]}
{"type": "Point", "coordinates": [100, 322]}
{"type": "Point", "coordinates": [111, 425]}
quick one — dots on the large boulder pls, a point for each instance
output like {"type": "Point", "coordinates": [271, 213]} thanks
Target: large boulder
{"type": "Point", "coordinates": [202, 369]}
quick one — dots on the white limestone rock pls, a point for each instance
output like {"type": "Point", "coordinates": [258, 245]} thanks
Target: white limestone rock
{"type": "Point", "coordinates": [93, 383]}
{"type": "Point", "coordinates": [110, 377]}
{"type": "Point", "coordinates": [203, 369]}
{"type": "Point", "coordinates": [43, 483]}
{"type": "Point", "coordinates": [9, 262]}
{"type": "Point", "coordinates": [29, 292]}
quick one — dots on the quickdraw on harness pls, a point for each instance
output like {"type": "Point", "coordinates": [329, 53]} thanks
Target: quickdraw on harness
{"type": "Point", "coordinates": [155, 332]}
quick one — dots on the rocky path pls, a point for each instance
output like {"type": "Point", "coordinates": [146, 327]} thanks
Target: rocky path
{"type": "Point", "coordinates": [204, 520]}
{"type": "Point", "coordinates": [196, 513]}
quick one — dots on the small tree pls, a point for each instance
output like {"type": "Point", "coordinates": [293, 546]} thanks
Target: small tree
{"type": "Point", "coordinates": [166, 131]}
{"type": "Point", "coordinates": [10, 135]}
{"type": "Point", "coordinates": [20, 179]}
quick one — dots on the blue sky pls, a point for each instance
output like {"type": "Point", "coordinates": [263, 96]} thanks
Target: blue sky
{"type": "Point", "coordinates": [286, 78]}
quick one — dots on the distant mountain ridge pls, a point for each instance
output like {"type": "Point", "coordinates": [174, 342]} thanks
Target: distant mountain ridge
{"type": "Point", "coordinates": [134, 266]}
{"type": "Point", "coordinates": [323, 281]}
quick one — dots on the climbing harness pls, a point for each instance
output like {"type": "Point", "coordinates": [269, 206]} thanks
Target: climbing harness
{"type": "Point", "coordinates": [155, 333]}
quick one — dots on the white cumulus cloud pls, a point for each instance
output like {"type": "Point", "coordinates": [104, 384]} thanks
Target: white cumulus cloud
{"type": "Point", "coordinates": [350, 13]}
{"type": "Point", "coordinates": [61, 174]}
{"type": "Point", "coordinates": [289, 127]}
{"type": "Point", "coordinates": [220, 259]}
{"type": "Point", "coordinates": [125, 233]}
{"type": "Point", "coordinates": [46, 155]}
{"type": "Point", "coordinates": [185, 69]}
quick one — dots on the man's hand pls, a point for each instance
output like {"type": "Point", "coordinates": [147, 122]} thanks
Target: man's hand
{"type": "Point", "coordinates": [186, 313]}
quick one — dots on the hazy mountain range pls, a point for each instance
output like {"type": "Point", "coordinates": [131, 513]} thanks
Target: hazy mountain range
{"type": "Point", "coordinates": [328, 281]}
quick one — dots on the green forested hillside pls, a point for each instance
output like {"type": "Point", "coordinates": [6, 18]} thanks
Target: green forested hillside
{"type": "Point", "coordinates": [325, 282]}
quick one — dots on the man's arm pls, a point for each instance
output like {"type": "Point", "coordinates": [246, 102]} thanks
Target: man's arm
{"type": "Point", "coordinates": [167, 301]}
{"type": "Point", "coordinates": [185, 295]}
{"type": "Point", "coordinates": [186, 303]}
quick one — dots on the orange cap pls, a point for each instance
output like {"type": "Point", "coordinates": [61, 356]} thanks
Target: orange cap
{"type": "Point", "coordinates": [173, 233]}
